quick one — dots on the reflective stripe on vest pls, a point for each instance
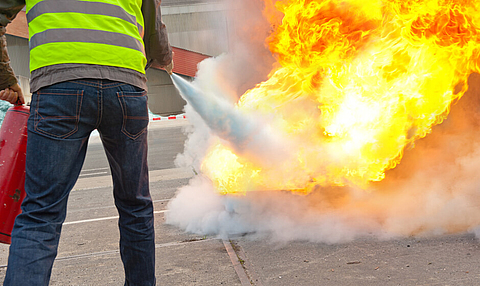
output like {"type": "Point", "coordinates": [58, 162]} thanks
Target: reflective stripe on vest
{"type": "Point", "coordinates": [85, 32]}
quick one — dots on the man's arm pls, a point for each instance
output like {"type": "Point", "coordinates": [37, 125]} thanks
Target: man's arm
{"type": "Point", "coordinates": [9, 88]}
{"type": "Point", "coordinates": [157, 46]}
{"type": "Point", "coordinates": [7, 77]}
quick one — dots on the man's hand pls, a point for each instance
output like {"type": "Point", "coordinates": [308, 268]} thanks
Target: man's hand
{"type": "Point", "coordinates": [169, 67]}
{"type": "Point", "coordinates": [13, 94]}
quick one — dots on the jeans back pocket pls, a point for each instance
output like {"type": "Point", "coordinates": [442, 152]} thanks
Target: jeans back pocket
{"type": "Point", "coordinates": [135, 112]}
{"type": "Point", "coordinates": [57, 111]}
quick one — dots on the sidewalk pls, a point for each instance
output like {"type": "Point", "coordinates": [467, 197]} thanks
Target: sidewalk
{"type": "Point", "coordinates": [88, 251]}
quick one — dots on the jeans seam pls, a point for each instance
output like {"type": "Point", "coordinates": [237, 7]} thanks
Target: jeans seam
{"type": "Point", "coordinates": [99, 108]}
{"type": "Point", "coordinates": [81, 82]}
{"type": "Point", "coordinates": [100, 85]}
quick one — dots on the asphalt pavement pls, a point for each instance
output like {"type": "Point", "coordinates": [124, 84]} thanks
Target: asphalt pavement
{"type": "Point", "coordinates": [88, 251]}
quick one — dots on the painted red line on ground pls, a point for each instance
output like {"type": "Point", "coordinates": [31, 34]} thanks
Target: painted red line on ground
{"type": "Point", "coordinates": [168, 118]}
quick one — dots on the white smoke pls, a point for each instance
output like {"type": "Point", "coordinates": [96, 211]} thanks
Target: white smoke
{"type": "Point", "coordinates": [433, 191]}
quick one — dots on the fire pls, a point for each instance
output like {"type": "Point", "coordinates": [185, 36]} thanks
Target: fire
{"type": "Point", "coordinates": [358, 82]}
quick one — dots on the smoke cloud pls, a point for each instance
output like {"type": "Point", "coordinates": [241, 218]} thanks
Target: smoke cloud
{"type": "Point", "coordinates": [434, 190]}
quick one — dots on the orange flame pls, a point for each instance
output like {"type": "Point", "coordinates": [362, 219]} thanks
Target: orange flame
{"type": "Point", "coordinates": [358, 82]}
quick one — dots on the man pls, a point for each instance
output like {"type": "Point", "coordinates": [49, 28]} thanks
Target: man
{"type": "Point", "coordinates": [87, 62]}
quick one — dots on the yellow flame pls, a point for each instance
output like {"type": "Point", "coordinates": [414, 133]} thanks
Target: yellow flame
{"type": "Point", "coordinates": [358, 82]}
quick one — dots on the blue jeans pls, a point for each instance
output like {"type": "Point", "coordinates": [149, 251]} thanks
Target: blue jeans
{"type": "Point", "coordinates": [62, 116]}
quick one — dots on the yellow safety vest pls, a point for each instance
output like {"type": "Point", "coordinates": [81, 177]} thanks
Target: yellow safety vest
{"type": "Point", "coordinates": [100, 32]}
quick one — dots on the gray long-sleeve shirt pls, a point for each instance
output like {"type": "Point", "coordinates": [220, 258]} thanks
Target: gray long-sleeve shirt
{"type": "Point", "coordinates": [157, 50]}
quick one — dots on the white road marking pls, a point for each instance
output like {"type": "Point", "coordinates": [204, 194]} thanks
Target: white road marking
{"type": "Point", "coordinates": [155, 176]}
{"type": "Point", "coordinates": [93, 174]}
{"type": "Point", "coordinates": [102, 218]}
{"type": "Point", "coordinates": [95, 169]}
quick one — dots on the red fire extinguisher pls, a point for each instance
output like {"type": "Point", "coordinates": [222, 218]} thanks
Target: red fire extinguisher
{"type": "Point", "coordinates": [13, 149]}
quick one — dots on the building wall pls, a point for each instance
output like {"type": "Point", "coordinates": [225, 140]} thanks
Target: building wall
{"type": "Point", "coordinates": [18, 52]}
{"type": "Point", "coordinates": [200, 27]}
{"type": "Point", "coordinates": [19, 61]}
